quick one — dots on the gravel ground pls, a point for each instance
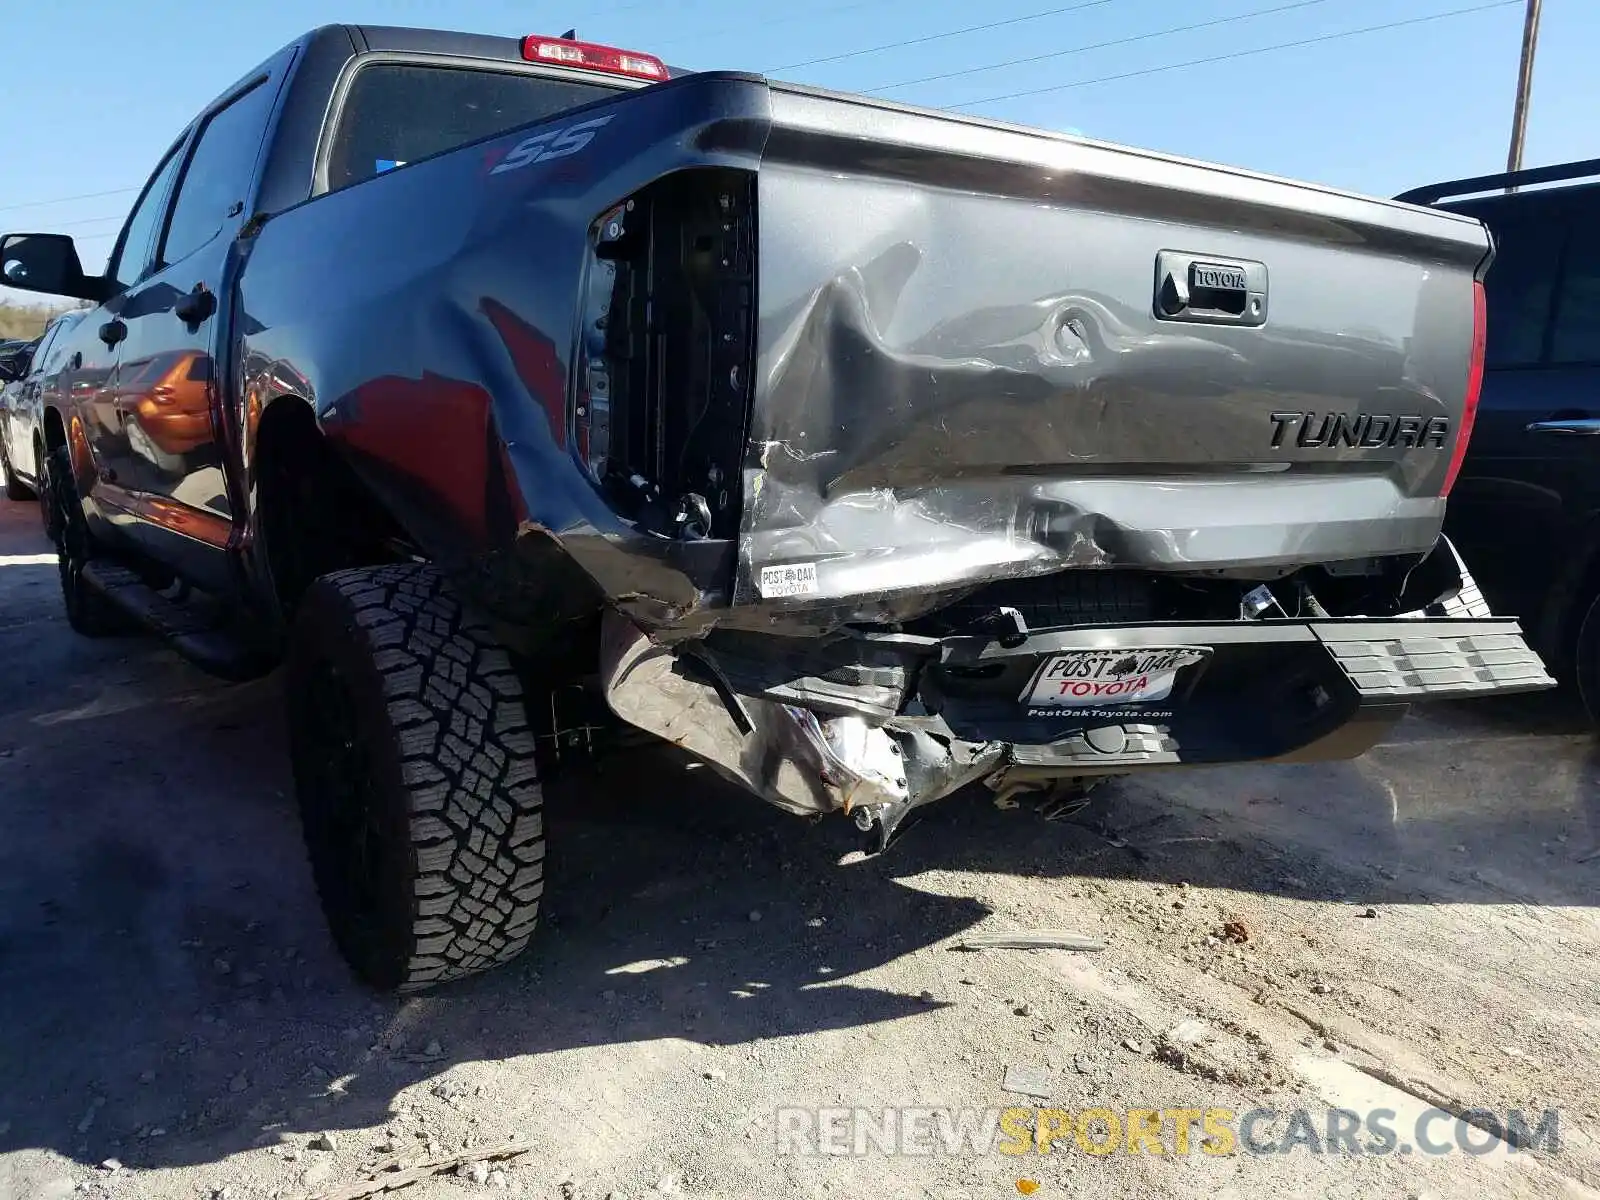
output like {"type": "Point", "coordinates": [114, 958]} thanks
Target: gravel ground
{"type": "Point", "coordinates": [1414, 928]}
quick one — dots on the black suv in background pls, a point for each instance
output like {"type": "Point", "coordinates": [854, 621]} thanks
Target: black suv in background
{"type": "Point", "coordinates": [1526, 509]}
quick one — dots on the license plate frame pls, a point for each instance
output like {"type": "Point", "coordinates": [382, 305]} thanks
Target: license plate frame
{"type": "Point", "coordinates": [1110, 677]}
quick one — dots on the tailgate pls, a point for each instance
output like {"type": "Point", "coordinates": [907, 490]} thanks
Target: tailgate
{"type": "Point", "coordinates": [985, 351]}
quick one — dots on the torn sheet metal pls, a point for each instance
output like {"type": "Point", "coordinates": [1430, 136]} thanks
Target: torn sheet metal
{"type": "Point", "coordinates": [797, 759]}
{"type": "Point", "coordinates": [861, 763]}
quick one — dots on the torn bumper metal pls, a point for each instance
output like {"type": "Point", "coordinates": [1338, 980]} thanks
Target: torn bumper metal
{"type": "Point", "coordinates": [877, 724]}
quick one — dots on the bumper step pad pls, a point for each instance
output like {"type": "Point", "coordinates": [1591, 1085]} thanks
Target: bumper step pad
{"type": "Point", "coordinates": [1401, 663]}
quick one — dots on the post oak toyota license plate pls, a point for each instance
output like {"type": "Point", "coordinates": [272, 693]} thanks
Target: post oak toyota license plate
{"type": "Point", "coordinates": [1093, 678]}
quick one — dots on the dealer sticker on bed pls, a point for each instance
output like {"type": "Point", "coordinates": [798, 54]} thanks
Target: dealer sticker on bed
{"type": "Point", "coordinates": [1082, 678]}
{"type": "Point", "coordinates": [791, 579]}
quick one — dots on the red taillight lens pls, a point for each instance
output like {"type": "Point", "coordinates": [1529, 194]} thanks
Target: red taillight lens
{"type": "Point", "coordinates": [1469, 407]}
{"type": "Point", "coordinates": [558, 52]}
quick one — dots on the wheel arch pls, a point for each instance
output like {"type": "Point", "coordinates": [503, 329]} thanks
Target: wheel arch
{"type": "Point", "coordinates": [310, 513]}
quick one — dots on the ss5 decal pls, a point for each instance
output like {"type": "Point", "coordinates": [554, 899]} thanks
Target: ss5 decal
{"type": "Point", "coordinates": [554, 143]}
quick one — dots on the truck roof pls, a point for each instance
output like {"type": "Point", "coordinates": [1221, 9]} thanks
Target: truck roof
{"type": "Point", "coordinates": [437, 41]}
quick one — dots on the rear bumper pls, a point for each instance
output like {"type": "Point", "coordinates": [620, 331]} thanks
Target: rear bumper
{"type": "Point", "coordinates": [876, 725]}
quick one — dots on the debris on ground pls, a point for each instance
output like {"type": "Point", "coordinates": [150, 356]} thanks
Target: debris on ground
{"type": "Point", "coordinates": [1062, 808]}
{"type": "Point", "coordinates": [1022, 939]}
{"type": "Point", "coordinates": [323, 1141]}
{"type": "Point", "coordinates": [392, 1177]}
{"type": "Point", "coordinates": [1234, 930]}
{"type": "Point", "coordinates": [1027, 1079]}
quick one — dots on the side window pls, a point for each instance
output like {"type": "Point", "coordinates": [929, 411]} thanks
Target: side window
{"type": "Point", "coordinates": [43, 348]}
{"type": "Point", "coordinates": [138, 239]}
{"type": "Point", "coordinates": [214, 184]}
{"type": "Point", "coordinates": [61, 340]}
{"type": "Point", "coordinates": [1575, 338]}
{"type": "Point", "coordinates": [1520, 289]}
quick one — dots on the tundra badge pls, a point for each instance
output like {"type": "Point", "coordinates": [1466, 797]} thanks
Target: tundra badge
{"type": "Point", "coordinates": [1369, 430]}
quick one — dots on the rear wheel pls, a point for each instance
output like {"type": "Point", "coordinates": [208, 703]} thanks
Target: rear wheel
{"type": "Point", "coordinates": [414, 767]}
{"type": "Point", "coordinates": [88, 610]}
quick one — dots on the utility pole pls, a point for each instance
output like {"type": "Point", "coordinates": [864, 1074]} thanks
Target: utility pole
{"type": "Point", "coordinates": [1519, 115]}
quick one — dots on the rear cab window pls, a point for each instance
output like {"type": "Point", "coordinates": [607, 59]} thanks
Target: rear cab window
{"type": "Point", "coordinates": [397, 112]}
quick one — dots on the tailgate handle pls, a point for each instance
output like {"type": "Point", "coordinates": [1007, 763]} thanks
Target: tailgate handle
{"type": "Point", "coordinates": [1210, 290]}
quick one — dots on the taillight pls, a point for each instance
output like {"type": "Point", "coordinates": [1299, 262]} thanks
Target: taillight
{"type": "Point", "coordinates": [559, 52]}
{"type": "Point", "coordinates": [1469, 407]}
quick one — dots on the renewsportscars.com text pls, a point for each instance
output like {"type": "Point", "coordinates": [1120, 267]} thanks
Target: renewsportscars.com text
{"type": "Point", "coordinates": [1162, 1131]}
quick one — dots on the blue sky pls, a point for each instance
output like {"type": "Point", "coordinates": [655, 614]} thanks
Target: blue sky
{"type": "Point", "coordinates": [95, 89]}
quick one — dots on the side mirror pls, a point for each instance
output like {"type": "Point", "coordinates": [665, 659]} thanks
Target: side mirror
{"type": "Point", "coordinates": [46, 262]}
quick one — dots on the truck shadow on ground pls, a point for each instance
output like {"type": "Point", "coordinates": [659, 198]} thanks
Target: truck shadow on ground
{"type": "Point", "coordinates": [171, 996]}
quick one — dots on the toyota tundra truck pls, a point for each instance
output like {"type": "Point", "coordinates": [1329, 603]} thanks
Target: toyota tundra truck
{"type": "Point", "coordinates": [497, 385]}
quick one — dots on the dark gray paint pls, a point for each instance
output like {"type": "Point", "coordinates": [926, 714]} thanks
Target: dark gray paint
{"type": "Point", "coordinates": [961, 375]}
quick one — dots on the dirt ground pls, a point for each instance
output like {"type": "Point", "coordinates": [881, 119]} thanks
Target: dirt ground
{"type": "Point", "coordinates": [1416, 928]}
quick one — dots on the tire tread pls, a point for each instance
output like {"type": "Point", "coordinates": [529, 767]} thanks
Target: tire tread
{"type": "Point", "coordinates": [467, 768]}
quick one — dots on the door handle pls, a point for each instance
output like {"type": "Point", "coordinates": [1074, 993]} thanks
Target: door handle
{"type": "Point", "coordinates": [196, 306]}
{"type": "Point", "coordinates": [1568, 426]}
{"type": "Point", "coordinates": [113, 331]}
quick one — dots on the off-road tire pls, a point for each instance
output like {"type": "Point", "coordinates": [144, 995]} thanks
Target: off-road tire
{"type": "Point", "coordinates": [15, 488]}
{"type": "Point", "coordinates": [415, 770]}
{"type": "Point", "coordinates": [89, 612]}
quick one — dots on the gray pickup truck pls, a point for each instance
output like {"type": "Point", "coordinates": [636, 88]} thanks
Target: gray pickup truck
{"type": "Point", "coordinates": [862, 451]}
